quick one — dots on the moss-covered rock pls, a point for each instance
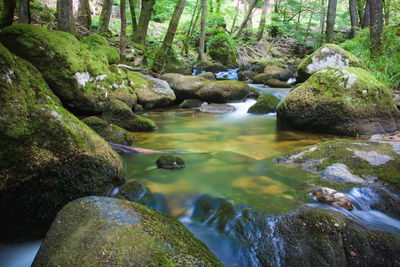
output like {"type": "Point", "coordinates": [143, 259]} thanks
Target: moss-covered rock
{"type": "Point", "coordinates": [100, 47]}
{"type": "Point", "coordinates": [48, 157]}
{"type": "Point", "coordinates": [82, 82]}
{"type": "Point", "coordinates": [194, 87]}
{"type": "Point", "coordinates": [274, 72]}
{"type": "Point", "coordinates": [349, 161]}
{"type": "Point", "coordinates": [151, 92]}
{"type": "Point", "coordinates": [170, 162]}
{"type": "Point", "coordinates": [265, 104]}
{"type": "Point", "coordinates": [329, 55]}
{"type": "Point", "coordinates": [346, 101]}
{"type": "Point", "coordinates": [262, 63]}
{"type": "Point", "coordinates": [221, 49]}
{"type": "Point", "coordinates": [191, 103]}
{"type": "Point", "coordinates": [276, 83]}
{"type": "Point", "coordinates": [118, 113]}
{"type": "Point", "coordinates": [215, 68]}
{"type": "Point", "coordinates": [208, 75]}
{"type": "Point", "coordinates": [110, 132]}
{"type": "Point", "coordinates": [107, 231]}
{"type": "Point", "coordinates": [246, 75]}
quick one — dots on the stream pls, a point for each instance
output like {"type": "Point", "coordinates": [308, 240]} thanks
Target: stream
{"type": "Point", "coordinates": [227, 156]}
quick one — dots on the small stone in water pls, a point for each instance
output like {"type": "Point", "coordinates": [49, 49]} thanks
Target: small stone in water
{"type": "Point", "coordinates": [170, 162]}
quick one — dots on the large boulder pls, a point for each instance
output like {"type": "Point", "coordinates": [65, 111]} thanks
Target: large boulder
{"type": "Point", "coordinates": [349, 161]}
{"type": "Point", "coordinates": [187, 87]}
{"type": "Point", "coordinates": [48, 156]}
{"type": "Point", "coordinates": [329, 55]}
{"type": "Point", "coordinates": [265, 104]}
{"type": "Point", "coordinates": [263, 63]}
{"type": "Point", "coordinates": [82, 82]}
{"type": "Point", "coordinates": [346, 101]}
{"type": "Point", "coordinates": [99, 231]}
{"type": "Point", "coordinates": [222, 49]}
{"type": "Point", "coordinates": [110, 132]}
{"type": "Point", "coordinates": [100, 47]}
{"type": "Point", "coordinates": [118, 113]}
{"type": "Point", "coordinates": [151, 92]}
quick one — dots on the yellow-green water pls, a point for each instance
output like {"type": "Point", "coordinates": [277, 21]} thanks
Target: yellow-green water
{"type": "Point", "coordinates": [228, 155]}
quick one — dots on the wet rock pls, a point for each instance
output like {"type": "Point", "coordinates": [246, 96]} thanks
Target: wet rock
{"type": "Point", "coordinates": [275, 83]}
{"type": "Point", "coordinates": [246, 75]}
{"type": "Point", "coordinates": [215, 68]}
{"type": "Point", "coordinates": [341, 173]}
{"type": "Point", "coordinates": [332, 197]}
{"type": "Point", "coordinates": [263, 63]}
{"type": "Point", "coordinates": [345, 101]}
{"type": "Point", "coordinates": [110, 132]}
{"type": "Point", "coordinates": [48, 156]}
{"type": "Point", "coordinates": [208, 75]}
{"type": "Point", "coordinates": [118, 113]}
{"type": "Point", "coordinates": [329, 55]}
{"type": "Point", "coordinates": [217, 108]}
{"type": "Point", "coordinates": [108, 231]}
{"type": "Point", "coordinates": [170, 162]}
{"type": "Point", "coordinates": [265, 104]}
{"type": "Point", "coordinates": [191, 103]}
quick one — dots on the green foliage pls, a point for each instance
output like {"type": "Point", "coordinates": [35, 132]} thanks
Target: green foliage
{"type": "Point", "coordinates": [222, 36]}
{"type": "Point", "coordinates": [163, 10]}
{"type": "Point", "coordinates": [275, 29]}
{"type": "Point", "coordinates": [385, 68]}
{"type": "Point", "coordinates": [215, 24]}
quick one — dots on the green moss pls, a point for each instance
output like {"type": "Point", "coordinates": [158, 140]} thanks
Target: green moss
{"type": "Point", "coordinates": [101, 48]}
{"type": "Point", "coordinates": [222, 48]}
{"type": "Point", "coordinates": [143, 124]}
{"type": "Point", "coordinates": [265, 104]}
{"type": "Point", "coordinates": [262, 63]}
{"type": "Point", "coordinates": [170, 162]}
{"type": "Point", "coordinates": [276, 83]}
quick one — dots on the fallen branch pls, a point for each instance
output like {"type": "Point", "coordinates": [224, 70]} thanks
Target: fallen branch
{"type": "Point", "coordinates": [123, 149]}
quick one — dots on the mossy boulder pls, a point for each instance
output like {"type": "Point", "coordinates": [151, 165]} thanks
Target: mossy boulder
{"type": "Point", "coordinates": [274, 72]}
{"type": "Point", "coordinates": [110, 132]}
{"type": "Point", "coordinates": [48, 156]}
{"type": "Point", "coordinates": [170, 162]}
{"type": "Point", "coordinates": [349, 161]}
{"type": "Point", "coordinates": [329, 55]}
{"type": "Point", "coordinates": [246, 75]}
{"type": "Point", "coordinates": [215, 68]}
{"type": "Point", "coordinates": [265, 104]}
{"type": "Point", "coordinates": [100, 47]}
{"type": "Point", "coordinates": [118, 113]}
{"type": "Point", "coordinates": [263, 63]}
{"type": "Point", "coordinates": [194, 87]}
{"type": "Point", "coordinates": [345, 101]}
{"type": "Point", "coordinates": [191, 103]}
{"type": "Point", "coordinates": [221, 49]}
{"type": "Point", "coordinates": [137, 192]}
{"type": "Point", "coordinates": [276, 83]}
{"type": "Point", "coordinates": [82, 82]}
{"type": "Point", "coordinates": [107, 231]}
{"type": "Point", "coordinates": [208, 75]}
{"type": "Point", "coordinates": [151, 92]}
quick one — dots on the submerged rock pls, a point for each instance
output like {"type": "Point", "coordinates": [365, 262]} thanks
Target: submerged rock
{"type": "Point", "coordinates": [118, 113]}
{"type": "Point", "coordinates": [332, 197]}
{"type": "Point", "coordinates": [83, 82]}
{"type": "Point", "coordinates": [110, 132]}
{"type": "Point", "coordinates": [329, 55]}
{"type": "Point", "coordinates": [217, 108]}
{"type": "Point", "coordinates": [170, 162]}
{"type": "Point", "coordinates": [344, 161]}
{"type": "Point", "coordinates": [265, 104]}
{"type": "Point", "coordinates": [48, 156]}
{"type": "Point", "coordinates": [107, 231]}
{"type": "Point", "coordinates": [275, 83]}
{"type": "Point", "coordinates": [191, 103]}
{"type": "Point", "coordinates": [346, 101]}
{"type": "Point", "coordinates": [195, 87]}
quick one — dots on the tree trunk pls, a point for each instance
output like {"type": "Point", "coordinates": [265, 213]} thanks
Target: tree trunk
{"type": "Point", "coordinates": [244, 22]}
{"type": "Point", "coordinates": [367, 16]}
{"type": "Point", "coordinates": [234, 19]}
{"type": "Point", "coordinates": [360, 11]}
{"type": "Point", "coordinates": [193, 22]}
{"type": "Point", "coordinates": [308, 27]}
{"type": "Point", "coordinates": [330, 21]}
{"type": "Point", "coordinates": [202, 55]}
{"type": "Point", "coordinates": [105, 15]}
{"type": "Point", "coordinates": [299, 16]}
{"type": "Point", "coordinates": [65, 19]}
{"type": "Point", "coordinates": [24, 12]}
{"type": "Point", "coordinates": [262, 21]}
{"type": "Point", "coordinates": [353, 17]}
{"type": "Point", "coordinates": [376, 28]}
{"type": "Point", "coordinates": [386, 8]}
{"type": "Point", "coordinates": [132, 7]}
{"type": "Point", "coordinates": [7, 14]}
{"type": "Point", "coordinates": [139, 36]}
{"type": "Point", "coordinates": [122, 37]}
{"type": "Point", "coordinates": [322, 17]}
{"type": "Point", "coordinates": [162, 53]}
{"type": "Point", "coordinates": [249, 22]}
{"type": "Point", "coordinates": [84, 17]}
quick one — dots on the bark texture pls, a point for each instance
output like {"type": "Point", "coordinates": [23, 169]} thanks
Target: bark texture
{"type": "Point", "coordinates": [132, 7]}
{"type": "Point", "coordinates": [353, 17]}
{"type": "Point", "coordinates": [261, 27]}
{"type": "Point", "coordinates": [105, 15]}
{"type": "Point", "coordinates": [65, 18]}
{"type": "Point", "coordinates": [122, 38]}
{"type": "Point", "coordinates": [84, 17]}
{"type": "Point", "coordinates": [7, 14]}
{"type": "Point", "coordinates": [330, 21]}
{"type": "Point", "coordinates": [202, 55]}
{"type": "Point", "coordinates": [24, 14]}
{"type": "Point", "coordinates": [376, 28]}
{"type": "Point", "coordinates": [139, 36]}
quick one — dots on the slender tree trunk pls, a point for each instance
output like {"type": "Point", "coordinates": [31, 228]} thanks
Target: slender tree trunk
{"type": "Point", "coordinates": [322, 17]}
{"type": "Point", "coordinates": [262, 21]}
{"type": "Point", "coordinates": [162, 53]}
{"type": "Point", "coordinates": [249, 22]}
{"type": "Point", "coordinates": [299, 16]}
{"type": "Point", "coordinates": [84, 17]}
{"type": "Point", "coordinates": [234, 19]}
{"type": "Point", "coordinates": [308, 27]}
{"type": "Point", "coordinates": [105, 15]}
{"type": "Point", "coordinates": [132, 7]}
{"type": "Point", "coordinates": [65, 19]}
{"type": "Point", "coordinates": [122, 37]}
{"type": "Point", "coordinates": [360, 11]}
{"type": "Point", "coordinates": [7, 14]}
{"type": "Point", "coordinates": [24, 14]}
{"type": "Point", "coordinates": [376, 28]}
{"type": "Point", "coordinates": [276, 7]}
{"type": "Point", "coordinates": [330, 21]}
{"type": "Point", "coordinates": [244, 22]}
{"type": "Point", "coordinates": [145, 15]}
{"type": "Point", "coordinates": [386, 8]}
{"type": "Point", "coordinates": [193, 22]}
{"type": "Point", "coordinates": [353, 17]}
{"type": "Point", "coordinates": [367, 16]}
{"type": "Point", "coordinates": [202, 55]}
